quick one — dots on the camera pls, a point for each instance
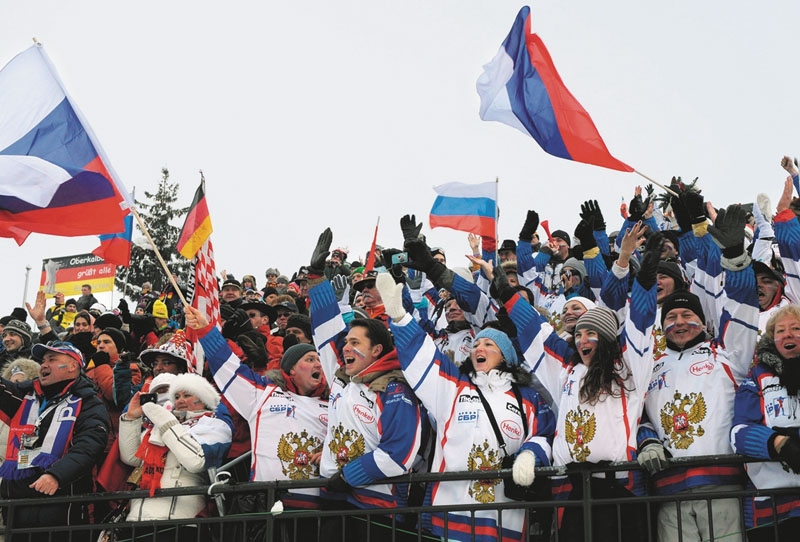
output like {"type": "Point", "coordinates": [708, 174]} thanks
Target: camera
{"type": "Point", "coordinates": [400, 258]}
{"type": "Point", "coordinates": [145, 398]}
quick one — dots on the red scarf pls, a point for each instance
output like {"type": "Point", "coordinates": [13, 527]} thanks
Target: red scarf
{"type": "Point", "coordinates": [153, 457]}
{"type": "Point", "coordinates": [319, 391]}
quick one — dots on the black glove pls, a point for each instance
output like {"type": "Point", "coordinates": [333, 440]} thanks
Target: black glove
{"type": "Point", "coordinates": [648, 270]}
{"type": "Point", "coordinates": [410, 228]}
{"type": "Point", "coordinates": [530, 226]}
{"type": "Point", "coordinates": [126, 358]}
{"type": "Point", "coordinates": [584, 233]}
{"type": "Point", "coordinates": [637, 208]}
{"type": "Point", "coordinates": [238, 323]}
{"type": "Point", "coordinates": [790, 454]}
{"type": "Point", "coordinates": [590, 209]}
{"type": "Point", "coordinates": [338, 483]}
{"type": "Point", "coordinates": [124, 311]}
{"type": "Point", "coordinates": [728, 230]}
{"type": "Point", "coordinates": [694, 203]}
{"type": "Point", "coordinates": [83, 342]}
{"type": "Point", "coordinates": [321, 252]}
{"type": "Point", "coordinates": [396, 269]}
{"type": "Point", "coordinates": [681, 214]}
{"type": "Point", "coordinates": [289, 341]}
{"type": "Point", "coordinates": [253, 344]}
{"type": "Point", "coordinates": [226, 311]}
{"type": "Point", "coordinates": [419, 255]}
{"type": "Point", "coordinates": [500, 288]}
{"type": "Point", "coordinates": [100, 358]}
{"type": "Point", "coordinates": [650, 189]}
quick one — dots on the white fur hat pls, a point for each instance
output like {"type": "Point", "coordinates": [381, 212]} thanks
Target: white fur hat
{"type": "Point", "coordinates": [197, 386]}
{"type": "Point", "coordinates": [164, 379]}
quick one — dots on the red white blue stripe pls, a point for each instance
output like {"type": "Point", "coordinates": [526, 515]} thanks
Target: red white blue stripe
{"type": "Point", "coordinates": [51, 166]}
{"type": "Point", "coordinates": [521, 87]}
{"type": "Point", "coordinates": [466, 207]}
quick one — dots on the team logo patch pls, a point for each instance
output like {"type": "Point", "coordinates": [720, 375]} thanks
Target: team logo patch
{"type": "Point", "coordinates": [681, 419]}
{"type": "Point", "coordinates": [294, 452]}
{"type": "Point", "coordinates": [346, 445]}
{"type": "Point", "coordinates": [579, 430]}
{"type": "Point", "coordinates": [483, 458]}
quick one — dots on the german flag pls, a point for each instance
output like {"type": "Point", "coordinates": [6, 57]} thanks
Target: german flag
{"type": "Point", "coordinates": [197, 227]}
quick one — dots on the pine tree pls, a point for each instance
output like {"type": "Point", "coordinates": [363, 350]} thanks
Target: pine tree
{"type": "Point", "coordinates": [159, 218]}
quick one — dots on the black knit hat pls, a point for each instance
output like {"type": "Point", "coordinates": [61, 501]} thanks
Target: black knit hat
{"type": "Point", "coordinates": [118, 337]}
{"type": "Point", "coordinates": [293, 355]}
{"type": "Point", "coordinates": [673, 270]}
{"type": "Point", "coordinates": [682, 299]}
{"type": "Point", "coordinates": [561, 234]}
{"type": "Point", "coordinates": [300, 321]}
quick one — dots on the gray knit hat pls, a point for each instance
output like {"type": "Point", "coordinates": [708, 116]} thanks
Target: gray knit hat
{"type": "Point", "coordinates": [599, 319]}
{"type": "Point", "coordinates": [293, 355]}
{"type": "Point", "coordinates": [20, 328]}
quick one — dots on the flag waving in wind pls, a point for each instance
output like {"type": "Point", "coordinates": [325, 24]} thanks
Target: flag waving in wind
{"type": "Point", "coordinates": [466, 207]}
{"type": "Point", "coordinates": [197, 227]}
{"type": "Point", "coordinates": [521, 87]}
{"type": "Point", "coordinates": [53, 173]}
{"type": "Point", "coordinates": [115, 248]}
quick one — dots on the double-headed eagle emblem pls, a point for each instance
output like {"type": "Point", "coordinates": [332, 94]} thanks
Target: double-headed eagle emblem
{"type": "Point", "coordinates": [678, 418]}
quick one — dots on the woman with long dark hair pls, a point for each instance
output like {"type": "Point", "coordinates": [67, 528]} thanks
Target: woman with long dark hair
{"type": "Point", "coordinates": [599, 387]}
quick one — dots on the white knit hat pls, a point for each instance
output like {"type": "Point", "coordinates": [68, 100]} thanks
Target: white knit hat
{"type": "Point", "coordinates": [197, 386]}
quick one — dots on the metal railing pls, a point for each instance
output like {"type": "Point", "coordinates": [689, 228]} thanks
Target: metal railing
{"type": "Point", "coordinates": [269, 523]}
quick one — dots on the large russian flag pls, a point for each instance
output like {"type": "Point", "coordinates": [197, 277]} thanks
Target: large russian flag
{"type": "Point", "coordinates": [466, 207]}
{"type": "Point", "coordinates": [521, 87]}
{"type": "Point", "coordinates": [54, 177]}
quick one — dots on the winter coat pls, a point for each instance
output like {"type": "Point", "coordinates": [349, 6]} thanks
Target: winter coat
{"type": "Point", "coordinates": [195, 445]}
{"type": "Point", "coordinates": [74, 469]}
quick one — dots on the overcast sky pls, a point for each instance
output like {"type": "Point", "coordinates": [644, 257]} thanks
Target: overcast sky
{"type": "Point", "coordinates": [315, 114]}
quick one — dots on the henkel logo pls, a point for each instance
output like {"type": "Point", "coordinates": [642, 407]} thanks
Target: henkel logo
{"type": "Point", "coordinates": [702, 367]}
{"type": "Point", "coordinates": [512, 429]}
{"type": "Point", "coordinates": [363, 413]}
{"type": "Point", "coordinates": [323, 418]}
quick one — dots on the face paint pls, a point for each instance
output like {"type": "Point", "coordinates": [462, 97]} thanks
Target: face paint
{"type": "Point", "coordinates": [359, 353]}
{"type": "Point", "coordinates": [64, 366]}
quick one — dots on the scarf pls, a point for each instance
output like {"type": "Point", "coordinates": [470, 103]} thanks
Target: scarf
{"type": "Point", "coordinates": [378, 375]}
{"type": "Point", "coordinates": [62, 407]}
{"type": "Point", "coordinates": [154, 457]}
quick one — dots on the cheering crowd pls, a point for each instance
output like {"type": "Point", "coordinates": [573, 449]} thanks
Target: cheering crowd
{"type": "Point", "coordinates": [676, 336]}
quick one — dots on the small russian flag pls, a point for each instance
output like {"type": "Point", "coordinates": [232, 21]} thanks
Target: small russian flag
{"type": "Point", "coordinates": [466, 207]}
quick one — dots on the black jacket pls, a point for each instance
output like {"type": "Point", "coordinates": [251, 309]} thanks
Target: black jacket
{"type": "Point", "coordinates": [74, 470]}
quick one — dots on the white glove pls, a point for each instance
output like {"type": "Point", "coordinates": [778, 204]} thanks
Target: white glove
{"type": "Point", "coordinates": [653, 458]}
{"type": "Point", "coordinates": [761, 213]}
{"type": "Point", "coordinates": [392, 295]}
{"type": "Point", "coordinates": [523, 470]}
{"type": "Point", "coordinates": [162, 418]}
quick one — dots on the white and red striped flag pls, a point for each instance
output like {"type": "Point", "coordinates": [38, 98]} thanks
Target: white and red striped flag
{"type": "Point", "coordinates": [204, 292]}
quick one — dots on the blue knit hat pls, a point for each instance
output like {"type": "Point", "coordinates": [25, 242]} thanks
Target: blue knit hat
{"type": "Point", "coordinates": [503, 343]}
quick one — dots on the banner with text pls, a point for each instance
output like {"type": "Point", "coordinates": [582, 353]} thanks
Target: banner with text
{"type": "Point", "coordinates": [68, 273]}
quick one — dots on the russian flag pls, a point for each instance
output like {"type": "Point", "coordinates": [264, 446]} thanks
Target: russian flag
{"type": "Point", "coordinates": [115, 248]}
{"type": "Point", "coordinates": [466, 207]}
{"type": "Point", "coordinates": [521, 87]}
{"type": "Point", "coordinates": [54, 177]}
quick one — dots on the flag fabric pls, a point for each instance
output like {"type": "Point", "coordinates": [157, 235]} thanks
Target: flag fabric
{"type": "Point", "coordinates": [197, 228]}
{"type": "Point", "coordinates": [370, 265]}
{"type": "Point", "coordinates": [53, 173]}
{"type": "Point", "coordinates": [115, 248]}
{"type": "Point", "coordinates": [521, 87]}
{"type": "Point", "coordinates": [204, 294]}
{"type": "Point", "coordinates": [466, 207]}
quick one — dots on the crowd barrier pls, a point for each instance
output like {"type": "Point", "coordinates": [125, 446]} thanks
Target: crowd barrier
{"type": "Point", "coordinates": [230, 524]}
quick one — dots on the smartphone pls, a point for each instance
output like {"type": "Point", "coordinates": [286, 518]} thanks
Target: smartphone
{"type": "Point", "coordinates": [145, 398]}
{"type": "Point", "coordinates": [399, 258]}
